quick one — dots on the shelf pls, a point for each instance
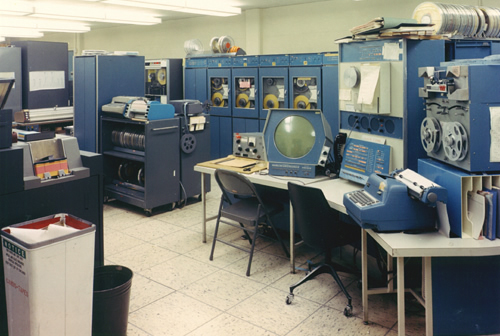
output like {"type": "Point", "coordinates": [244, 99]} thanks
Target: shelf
{"type": "Point", "coordinates": [130, 154]}
{"type": "Point", "coordinates": [125, 121]}
{"type": "Point", "coordinates": [136, 194]}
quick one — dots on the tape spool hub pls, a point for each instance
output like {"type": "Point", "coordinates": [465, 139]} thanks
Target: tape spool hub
{"type": "Point", "coordinates": [455, 141]}
{"type": "Point", "coordinates": [431, 134]}
{"type": "Point", "coordinates": [188, 143]}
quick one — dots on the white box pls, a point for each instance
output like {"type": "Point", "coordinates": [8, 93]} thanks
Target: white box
{"type": "Point", "coordinates": [49, 283]}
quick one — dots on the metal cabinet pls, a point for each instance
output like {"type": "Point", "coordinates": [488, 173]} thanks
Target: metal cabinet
{"type": "Point", "coordinates": [141, 162]}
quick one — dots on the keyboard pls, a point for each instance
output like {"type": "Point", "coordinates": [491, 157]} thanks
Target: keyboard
{"type": "Point", "coordinates": [362, 198]}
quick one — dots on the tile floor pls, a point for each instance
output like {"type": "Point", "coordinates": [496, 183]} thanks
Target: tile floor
{"type": "Point", "coordinates": [177, 290]}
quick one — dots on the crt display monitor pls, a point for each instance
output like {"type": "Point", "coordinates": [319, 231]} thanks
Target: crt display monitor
{"type": "Point", "coordinates": [296, 141]}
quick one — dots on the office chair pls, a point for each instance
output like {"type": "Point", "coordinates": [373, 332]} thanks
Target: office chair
{"type": "Point", "coordinates": [320, 227]}
{"type": "Point", "coordinates": [241, 202]}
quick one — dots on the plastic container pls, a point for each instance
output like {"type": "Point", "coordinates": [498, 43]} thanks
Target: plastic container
{"type": "Point", "coordinates": [111, 300]}
{"type": "Point", "coordinates": [48, 265]}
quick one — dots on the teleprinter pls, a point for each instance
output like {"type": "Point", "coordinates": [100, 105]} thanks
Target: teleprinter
{"type": "Point", "coordinates": [139, 108]}
{"type": "Point", "coordinates": [401, 201]}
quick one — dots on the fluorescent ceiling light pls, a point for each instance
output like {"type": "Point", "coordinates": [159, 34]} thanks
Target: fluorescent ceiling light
{"type": "Point", "coordinates": [150, 5]}
{"type": "Point", "coordinates": [44, 25]}
{"type": "Point", "coordinates": [92, 13]}
{"type": "Point", "coordinates": [187, 6]}
{"type": "Point", "coordinates": [20, 32]}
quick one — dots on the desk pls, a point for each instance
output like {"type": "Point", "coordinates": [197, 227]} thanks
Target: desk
{"type": "Point", "coordinates": [397, 245]}
{"type": "Point", "coordinates": [425, 245]}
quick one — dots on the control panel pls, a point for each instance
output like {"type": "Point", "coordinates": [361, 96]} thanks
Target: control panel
{"type": "Point", "coordinates": [363, 158]}
{"type": "Point", "coordinates": [249, 145]}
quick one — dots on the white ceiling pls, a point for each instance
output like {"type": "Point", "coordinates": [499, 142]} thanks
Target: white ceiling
{"type": "Point", "coordinates": [171, 15]}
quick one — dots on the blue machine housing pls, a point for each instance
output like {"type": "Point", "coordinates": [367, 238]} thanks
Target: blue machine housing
{"type": "Point", "coordinates": [304, 166]}
{"type": "Point", "coordinates": [330, 90]}
{"type": "Point", "coordinates": [97, 80]}
{"type": "Point", "coordinates": [395, 211]}
{"type": "Point", "coordinates": [471, 93]}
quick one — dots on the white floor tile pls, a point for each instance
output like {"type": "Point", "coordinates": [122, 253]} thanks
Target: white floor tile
{"type": "Point", "coordinates": [177, 290]}
{"type": "Point", "coordinates": [175, 315]}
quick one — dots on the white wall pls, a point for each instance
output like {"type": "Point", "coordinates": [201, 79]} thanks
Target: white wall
{"type": "Point", "coordinates": [292, 29]}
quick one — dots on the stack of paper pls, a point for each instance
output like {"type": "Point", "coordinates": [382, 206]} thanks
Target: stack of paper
{"type": "Point", "coordinates": [386, 27]}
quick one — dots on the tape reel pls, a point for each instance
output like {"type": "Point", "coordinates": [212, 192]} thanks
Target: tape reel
{"type": "Point", "coordinates": [225, 43]}
{"type": "Point", "coordinates": [466, 20]}
{"type": "Point", "coordinates": [430, 135]}
{"type": "Point", "coordinates": [217, 99]}
{"type": "Point", "coordinates": [214, 44]}
{"type": "Point", "coordinates": [242, 101]}
{"type": "Point", "coordinates": [455, 141]}
{"type": "Point", "coordinates": [301, 102]}
{"type": "Point", "coordinates": [270, 101]}
{"type": "Point", "coordinates": [188, 143]}
{"type": "Point", "coordinates": [161, 75]}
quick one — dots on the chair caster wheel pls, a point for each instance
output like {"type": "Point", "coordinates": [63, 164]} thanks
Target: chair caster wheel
{"type": "Point", "coordinates": [348, 311]}
{"type": "Point", "coordinates": [289, 298]}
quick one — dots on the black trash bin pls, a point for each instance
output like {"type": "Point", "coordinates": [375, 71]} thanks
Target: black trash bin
{"type": "Point", "coordinates": [111, 300]}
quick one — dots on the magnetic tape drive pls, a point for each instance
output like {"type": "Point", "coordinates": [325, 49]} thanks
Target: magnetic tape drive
{"type": "Point", "coordinates": [462, 103]}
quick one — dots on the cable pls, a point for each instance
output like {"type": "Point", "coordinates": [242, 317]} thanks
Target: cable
{"type": "Point", "coordinates": [182, 202]}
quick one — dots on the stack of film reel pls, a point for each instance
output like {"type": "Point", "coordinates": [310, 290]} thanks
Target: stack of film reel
{"type": "Point", "coordinates": [132, 173]}
{"type": "Point", "coordinates": [128, 138]}
{"type": "Point", "coordinates": [464, 20]}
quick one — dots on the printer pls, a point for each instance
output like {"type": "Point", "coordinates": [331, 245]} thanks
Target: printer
{"type": "Point", "coordinates": [139, 108]}
{"type": "Point", "coordinates": [401, 201]}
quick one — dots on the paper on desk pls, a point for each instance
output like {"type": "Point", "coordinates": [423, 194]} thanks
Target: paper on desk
{"type": "Point", "coordinates": [236, 163]}
{"type": "Point", "coordinates": [476, 213]}
{"type": "Point", "coordinates": [32, 236]}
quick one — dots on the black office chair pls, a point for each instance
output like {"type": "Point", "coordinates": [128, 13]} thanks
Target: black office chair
{"type": "Point", "coordinates": [320, 227]}
{"type": "Point", "coordinates": [241, 202]}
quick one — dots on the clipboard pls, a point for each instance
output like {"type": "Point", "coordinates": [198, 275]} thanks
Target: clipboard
{"type": "Point", "coordinates": [237, 164]}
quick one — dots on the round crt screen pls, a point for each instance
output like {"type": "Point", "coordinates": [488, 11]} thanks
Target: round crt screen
{"type": "Point", "coordinates": [294, 136]}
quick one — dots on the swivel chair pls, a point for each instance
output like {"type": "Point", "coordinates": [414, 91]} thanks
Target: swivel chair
{"type": "Point", "coordinates": [240, 202]}
{"type": "Point", "coordinates": [320, 227]}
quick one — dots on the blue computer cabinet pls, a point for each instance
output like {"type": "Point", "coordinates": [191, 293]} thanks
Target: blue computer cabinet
{"type": "Point", "coordinates": [305, 81]}
{"type": "Point", "coordinates": [221, 136]}
{"type": "Point", "coordinates": [330, 90]}
{"type": "Point", "coordinates": [464, 49]}
{"type": "Point", "coordinates": [195, 79]}
{"type": "Point", "coordinates": [220, 85]}
{"type": "Point", "coordinates": [273, 81]}
{"type": "Point", "coordinates": [97, 79]}
{"type": "Point", "coordinates": [245, 74]}
{"type": "Point", "coordinates": [378, 93]}
{"type": "Point", "coordinates": [243, 125]}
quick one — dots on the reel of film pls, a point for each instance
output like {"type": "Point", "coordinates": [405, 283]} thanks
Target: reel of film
{"type": "Point", "coordinates": [450, 137]}
{"type": "Point", "coordinates": [455, 141]}
{"type": "Point", "coordinates": [430, 134]}
{"type": "Point", "coordinates": [128, 139]}
{"type": "Point", "coordinates": [465, 20]}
